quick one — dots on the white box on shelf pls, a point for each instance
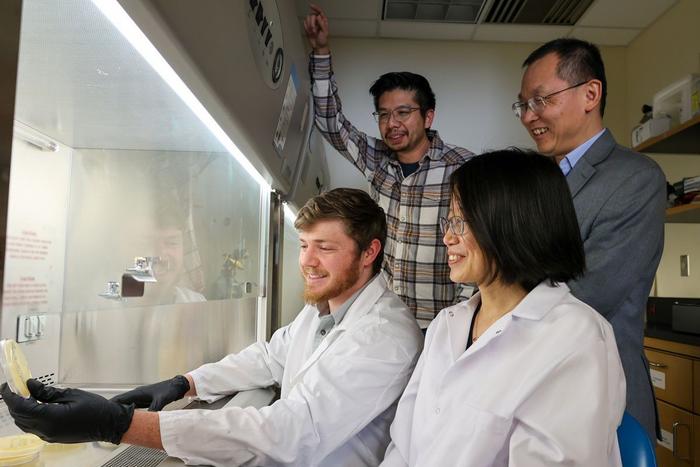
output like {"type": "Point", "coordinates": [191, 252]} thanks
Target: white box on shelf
{"type": "Point", "coordinates": [679, 100]}
{"type": "Point", "coordinates": [649, 129]}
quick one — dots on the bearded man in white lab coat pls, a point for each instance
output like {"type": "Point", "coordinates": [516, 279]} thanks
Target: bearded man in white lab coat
{"type": "Point", "coordinates": [341, 364]}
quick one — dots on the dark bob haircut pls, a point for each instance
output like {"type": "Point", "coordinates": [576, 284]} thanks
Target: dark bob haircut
{"type": "Point", "coordinates": [364, 219]}
{"type": "Point", "coordinates": [518, 206]}
{"type": "Point", "coordinates": [578, 61]}
{"type": "Point", "coordinates": [406, 81]}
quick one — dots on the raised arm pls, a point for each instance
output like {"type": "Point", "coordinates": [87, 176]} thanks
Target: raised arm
{"type": "Point", "coordinates": [316, 28]}
{"type": "Point", "coordinates": [364, 152]}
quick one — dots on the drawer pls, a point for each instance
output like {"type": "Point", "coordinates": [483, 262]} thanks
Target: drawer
{"type": "Point", "coordinates": [696, 387]}
{"type": "Point", "coordinates": [696, 444]}
{"type": "Point", "coordinates": [672, 377]}
{"type": "Point", "coordinates": [677, 447]}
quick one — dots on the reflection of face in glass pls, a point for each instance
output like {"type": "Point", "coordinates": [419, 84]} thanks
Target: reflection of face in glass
{"type": "Point", "coordinates": [169, 248]}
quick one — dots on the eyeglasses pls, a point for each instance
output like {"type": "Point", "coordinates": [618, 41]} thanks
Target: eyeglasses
{"type": "Point", "coordinates": [538, 103]}
{"type": "Point", "coordinates": [400, 114]}
{"type": "Point", "coordinates": [455, 224]}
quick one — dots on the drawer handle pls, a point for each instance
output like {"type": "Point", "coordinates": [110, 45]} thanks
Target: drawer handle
{"type": "Point", "coordinates": [657, 365]}
{"type": "Point", "coordinates": [675, 439]}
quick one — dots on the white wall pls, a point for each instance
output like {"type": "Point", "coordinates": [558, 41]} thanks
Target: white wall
{"type": "Point", "coordinates": [475, 84]}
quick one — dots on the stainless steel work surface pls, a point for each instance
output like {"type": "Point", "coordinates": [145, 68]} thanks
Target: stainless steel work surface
{"type": "Point", "coordinates": [106, 455]}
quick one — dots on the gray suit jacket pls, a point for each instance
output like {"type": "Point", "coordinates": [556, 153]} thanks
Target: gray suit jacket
{"type": "Point", "coordinates": [620, 199]}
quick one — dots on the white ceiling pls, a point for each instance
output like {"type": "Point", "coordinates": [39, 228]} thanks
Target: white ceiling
{"type": "Point", "coordinates": [606, 22]}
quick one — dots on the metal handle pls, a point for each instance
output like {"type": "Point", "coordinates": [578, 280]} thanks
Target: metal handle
{"type": "Point", "coordinates": [657, 365]}
{"type": "Point", "coordinates": [674, 432]}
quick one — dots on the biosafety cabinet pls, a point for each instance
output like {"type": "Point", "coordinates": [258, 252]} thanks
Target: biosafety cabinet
{"type": "Point", "coordinates": [154, 153]}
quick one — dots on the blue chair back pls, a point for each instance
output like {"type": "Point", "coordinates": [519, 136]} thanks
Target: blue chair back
{"type": "Point", "coordinates": [636, 448]}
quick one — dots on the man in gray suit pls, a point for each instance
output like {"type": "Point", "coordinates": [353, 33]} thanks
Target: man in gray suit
{"type": "Point", "coordinates": [619, 196]}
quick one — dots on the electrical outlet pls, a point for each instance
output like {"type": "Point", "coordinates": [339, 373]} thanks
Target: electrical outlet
{"type": "Point", "coordinates": [685, 265]}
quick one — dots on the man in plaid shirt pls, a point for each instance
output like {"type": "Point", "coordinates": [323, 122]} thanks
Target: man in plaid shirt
{"type": "Point", "coordinates": [408, 171]}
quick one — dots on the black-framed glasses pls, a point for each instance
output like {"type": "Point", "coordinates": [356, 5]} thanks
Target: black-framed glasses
{"type": "Point", "coordinates": [400, 114]}
{"type": "Point", "coordinates": [538, 103]}
{"type": "Point", "coordinates": [455, 224]}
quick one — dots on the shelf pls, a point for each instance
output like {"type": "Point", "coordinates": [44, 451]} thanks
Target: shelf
{"type": "Point", "coordinates": [684, 214]}
{"type": "Point", "coordinates": [683, 139]}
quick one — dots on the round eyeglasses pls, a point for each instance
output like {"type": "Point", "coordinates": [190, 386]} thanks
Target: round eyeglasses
{"type": "Point", "coordinates": [538, 103]}
{"type": "Point", "coordinates": [400, 114]}
{"type": "Point", "coordinates": [455, 224]}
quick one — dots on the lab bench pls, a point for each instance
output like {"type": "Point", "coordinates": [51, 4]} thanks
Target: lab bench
{"type": "Point", "coordinates": [124, 455]}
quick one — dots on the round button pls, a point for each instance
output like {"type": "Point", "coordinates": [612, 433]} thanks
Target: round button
{"type": "Point", "coordinates": [403, 218]}
{"type": "Point", "coordinates": [437, 411]}
{"type": "Point", "coordinates": [452, 313]}
{"type": "Point", "coordinates": [397, 288]}
{"type": "Point", "coordinates": [323, 332]}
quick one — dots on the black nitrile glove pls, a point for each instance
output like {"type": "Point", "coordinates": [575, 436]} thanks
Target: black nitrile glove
{"type": "Point", "coordinates": [67, 415]}
{"type": "Point", "coordinates": [155, 396]}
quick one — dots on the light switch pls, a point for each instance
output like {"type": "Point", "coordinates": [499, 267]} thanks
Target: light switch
{"type": "Point", "coordinates": [685, 265]}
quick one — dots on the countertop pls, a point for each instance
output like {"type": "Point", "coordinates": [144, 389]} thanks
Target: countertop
{"type": "Point", "coordinates": [667, 333]}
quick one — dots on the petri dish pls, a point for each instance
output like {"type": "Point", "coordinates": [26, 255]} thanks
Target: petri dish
{"type": "Point", "coordinates": [19, 449]}
{"type": "Point", "coordinates": [63, 447]}
{"type": "Point", "coordinates": [15, 367]}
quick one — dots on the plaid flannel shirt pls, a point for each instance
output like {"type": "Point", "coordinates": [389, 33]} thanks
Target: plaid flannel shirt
{"type": "Point", "coordinates": [415, 259]}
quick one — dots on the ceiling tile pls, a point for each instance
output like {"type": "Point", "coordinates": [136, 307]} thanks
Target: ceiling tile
{"type": "Point", "coordinates": [624, 13]}
{"type": "Point", "coordinates": [422, 30]}
{"type": "Point", "coordinates": [353, 28]}
{"type": "Point", "coordinates": [605, 36]}
{"type": "Point", "coordinates": [401, 11]}
{"type": "Point", "coordinates": [355, 9]}
{"type": "Point", "coordinates": [519, 33]}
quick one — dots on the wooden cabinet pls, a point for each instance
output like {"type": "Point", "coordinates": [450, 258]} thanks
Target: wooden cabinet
{"type": "Point", "coordinates": [672, 377]}
{"type": "Point", "coordinates": [696, 386]}
{"type": "Point", "coordinates": [675, 374]}
{"type": "Point", "coordinates": [696, 441]}
{"type": "Point", "coordinates": [683, 139]}
{"type": "Point", "coordinates": [677, 447]}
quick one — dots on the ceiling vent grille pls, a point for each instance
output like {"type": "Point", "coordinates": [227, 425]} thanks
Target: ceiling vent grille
{"type": "Point", "coordinates": [554, 12]}
{"type": "Point", "coordinates": [436, 11]}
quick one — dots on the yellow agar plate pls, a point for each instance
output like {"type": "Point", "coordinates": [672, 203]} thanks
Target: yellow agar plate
{"type": "Point", "coordinates": [15, 367]}
{"type": "Point", "coordinates": [19, 449]}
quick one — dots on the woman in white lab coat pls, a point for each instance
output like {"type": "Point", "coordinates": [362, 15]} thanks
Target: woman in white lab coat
{"type": "Point", "coordinates": [523, 373]}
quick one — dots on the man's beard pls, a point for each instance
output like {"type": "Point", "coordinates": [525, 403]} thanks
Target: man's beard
{"type": "Point", "coordinates": [346, 280]}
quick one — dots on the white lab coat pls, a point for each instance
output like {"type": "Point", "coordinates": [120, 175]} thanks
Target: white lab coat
{"type": "Point", "coordinates": [542, 386]}
{"type": "Point", "coordinates": [336, 403]}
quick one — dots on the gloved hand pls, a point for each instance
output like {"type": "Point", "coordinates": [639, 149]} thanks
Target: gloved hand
{"type": "Point", "coordinates": [155, 396]}
{"type": "Point", "coordinates": [67, 415]}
